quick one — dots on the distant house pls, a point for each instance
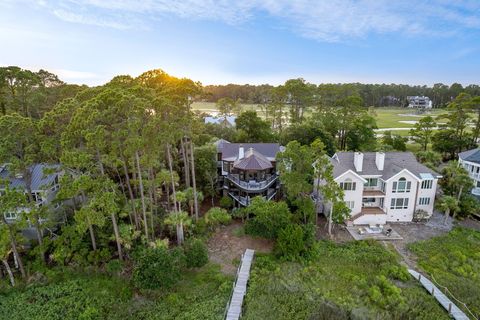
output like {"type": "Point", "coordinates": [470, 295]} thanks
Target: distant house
{"type": "Point", "coordinates": [470, 160]}
{"type": "Point", "coordinates": [44, 186]}
{"type": "Point", "coordinates": [384, 187]}
{"type": "Point", "coordinates": [419, 102]}
{"type": "Point", "coordinates": [247, 170]}
{"type": "Point", "coordinates": [228, 121]}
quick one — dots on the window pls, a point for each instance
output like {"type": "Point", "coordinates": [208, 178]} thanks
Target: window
{"type": "Point", "coordinates": [399, 203]}
{"type": "Point", "coordinates": [424, 201]}
{"type": "Point", "coordinates": [10, 215]}
{"type": "Point", "coordinates": [350, 204]}
{"type": "Point", "coordinates": [401, 186]}
{"type": "Point", "coordinates": [427, 184]}
{"type": "Point", "coordinates": [371, 182]}
{"type": "Point", "coordinates": [348, 185]}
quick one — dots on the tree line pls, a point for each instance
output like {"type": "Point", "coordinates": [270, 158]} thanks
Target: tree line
{"type": "Point", "coordinates": [376, 95]}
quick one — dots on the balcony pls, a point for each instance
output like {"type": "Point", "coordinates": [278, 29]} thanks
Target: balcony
{"type": "Point", "coordinates": [245, 201]}
{"type": "Point", "coordinates": [476, 191]}
{"type": "Point", "coordinates": [252, 185]}
{"type": "Point", "coordinates": [372, 193]}
{"type": "Point", "coordinates": [372, 210]}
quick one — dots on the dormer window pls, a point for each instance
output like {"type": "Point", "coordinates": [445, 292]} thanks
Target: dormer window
{"type": "Point", "coordinates": [401, 186]}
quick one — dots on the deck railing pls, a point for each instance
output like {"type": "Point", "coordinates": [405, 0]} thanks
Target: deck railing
{"type": "Point", "coordinates": [252, 185]}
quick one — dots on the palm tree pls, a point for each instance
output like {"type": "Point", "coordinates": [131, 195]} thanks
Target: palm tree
{"type": "Point", "coordinates": [179, 219]}
{"type": "Point", "coordinates": [191, 199]}
{"type": "Point", "coordinates": [181, 198]}
{"type": "Point", "coordinates": [448, 204]}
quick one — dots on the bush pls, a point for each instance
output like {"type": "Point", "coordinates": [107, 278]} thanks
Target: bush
{"type": "Point", "coordinates": [226, 202]}
{"type": "Point", "coordinates": [200, 227]}
{"type": "Point", "coordinates": [196, 253]}
{"type": "Point", "coordinates": [114, 267]}
{"type": "Point", "coordinates": [290, 242]}
{"type": "Point", "coordinates": [269, 218]}
{"type": "Point", "coordinates": [216, 216]}
{"type": "Point", "coordinates": [158, 267]}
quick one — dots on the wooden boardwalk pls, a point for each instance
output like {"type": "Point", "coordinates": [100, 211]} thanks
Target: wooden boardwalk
{"type": "Point", "coordinates": [452, 309]}
{"type": "Point", "coordinates": [240, 287]}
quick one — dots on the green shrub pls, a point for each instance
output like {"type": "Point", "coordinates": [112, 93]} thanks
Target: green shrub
{"type": "Point", "coordinates": [453, 260]}
{"type": "Point", "coordinates": [196, 253]}
{"type": "Point", "coordinates": [114, 267]}
{"type": "Point", "coordinates": [226, 202]}
{"type": "Point", "coordinates": [290, 242]}
{"type": "Point", "coordinates": [398, 273]}
{"type": "Point", "coordinates": [158, 267]}
{"type": "Point", "coordinates": [217, 216]}
{"type": "Point", "coordinates": [269, 218]}
{"type": "Point", "coordinates": [339, 282]}
{"type": "Point", "coordinates": [200, 227]}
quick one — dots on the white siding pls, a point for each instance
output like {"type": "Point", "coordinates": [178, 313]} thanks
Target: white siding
{"type": "Point", "coordinates": [427, 193]}
{"type": "Point", "coordinates": [371, 219]}
{"type": "Point", "coordinates": [401, 215]}
{"type": "Point", "coordinates": [353, 195]}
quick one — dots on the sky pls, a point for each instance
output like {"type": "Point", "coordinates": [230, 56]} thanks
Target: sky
{"type": "Point", "coordinates": [246, 41]}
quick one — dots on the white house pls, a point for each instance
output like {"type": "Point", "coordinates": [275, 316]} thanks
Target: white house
{"type": "Point", "coordinates": [384, 187]}
{"type": "Point", "coordinates": [419, 102]}
{"type": "Point", "coordinates": [470, 160]}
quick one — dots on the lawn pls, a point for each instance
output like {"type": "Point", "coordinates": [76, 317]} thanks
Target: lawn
{"type": "Point", "coordinates": [390, 117]}
{"type": "Point", "coordinates": [454, 261]}
{"type": "Point", "coordinates": [386, 117]}
{"type": "Point", "coordinates": [359, 280]}
{"type": "Point", "coordinates": [202, 294]}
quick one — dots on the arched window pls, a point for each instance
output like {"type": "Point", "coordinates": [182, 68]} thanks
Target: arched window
{"type": "Point", "coordinates": [401, 186]}
{"type": "Point", "coordinates": [348, 185]}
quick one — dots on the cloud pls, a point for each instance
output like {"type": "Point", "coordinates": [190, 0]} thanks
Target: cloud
{"type": "Point", "coordinates": [89, 19]}
{"type": "Point", "coordinates": [327, 20]}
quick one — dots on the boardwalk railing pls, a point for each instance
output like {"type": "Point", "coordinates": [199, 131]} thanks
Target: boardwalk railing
{"type": "Point", "coordinates": [452, 309]}
{"type": "Point", "coordinates": [450, 294]}
{"type": "Point", "coordinates": [233, 311]}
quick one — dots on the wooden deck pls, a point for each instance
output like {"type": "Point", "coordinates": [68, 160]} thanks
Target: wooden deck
{"type": "Point", "coordinates": [451, 308]}
{"type": "Point", "coordinates": [240, 287]}
{"type": "Point", "coordinates": [373, 193]}
{"type": "Point", "coordinates": [372, 210]}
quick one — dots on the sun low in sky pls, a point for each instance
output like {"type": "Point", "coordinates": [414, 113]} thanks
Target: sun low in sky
{"type": "Point", "coordinates": [248, 41]}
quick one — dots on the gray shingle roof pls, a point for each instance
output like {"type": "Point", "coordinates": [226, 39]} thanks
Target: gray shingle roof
{"type": "Point", "coordinates": [470, 155]}
{"type": "Point", "coordinates": [220, 143]}
{"type": "Point", "coordinates": [39, 179]}
{"type": "Point", "coordinates": [269, 150]}
{"type": "Point", "coordinates": [394, 163]}
{"type": "Point", "coordinates": [253, 160]}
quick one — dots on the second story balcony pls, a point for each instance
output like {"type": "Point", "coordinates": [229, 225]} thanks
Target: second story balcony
{"type": "Point", "coordinates": [253, 185]}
